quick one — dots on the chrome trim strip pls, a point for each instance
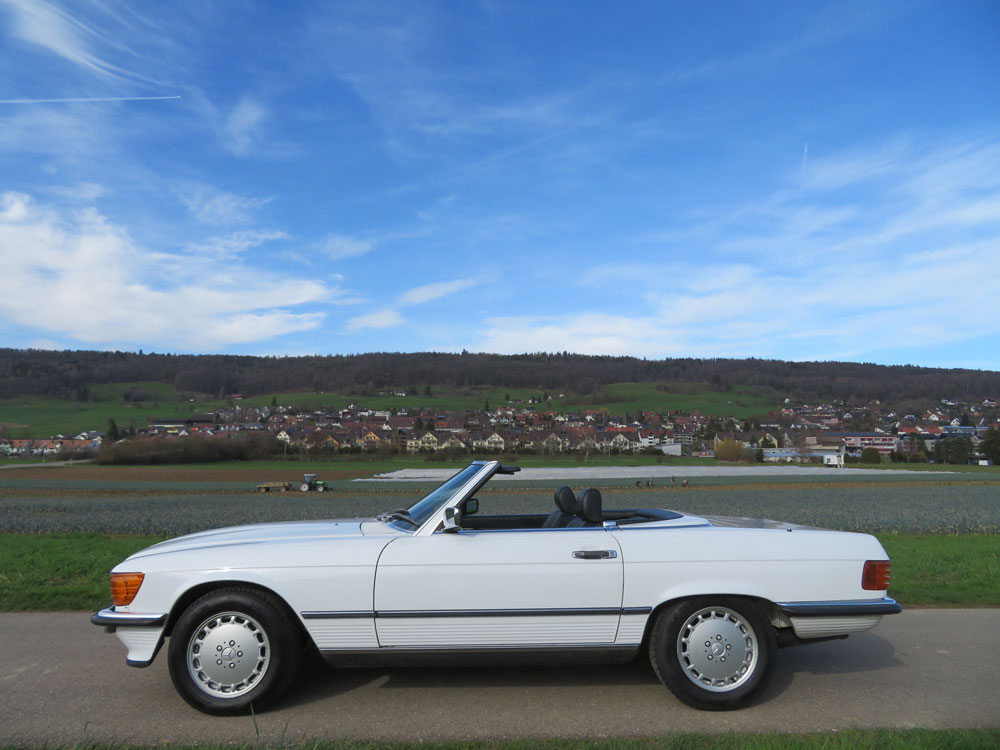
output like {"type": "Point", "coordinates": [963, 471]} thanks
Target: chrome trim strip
{"type": "Point", "coordinates": [109, 617]}
{"type": "Point", "coordinates": [883, 606]}
{"type": "Point", "coordinates": [560, 530]}
{"type": "Point", "coordinates": [483, 649]}
{"type": "Point", "coordinates": [337, 615]}
{"type": "Point", "coordinates": [636, 610]}
{"type": "Point", "coordinates": [436, 613]}
{"type": "Point", "coordinates": [498, 612]}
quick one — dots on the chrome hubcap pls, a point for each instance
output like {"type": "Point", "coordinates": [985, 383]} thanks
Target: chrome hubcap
{"type": "Point", "coordinates": [228, 654]}
{"type": "Point", "coordinates": [717, 649]}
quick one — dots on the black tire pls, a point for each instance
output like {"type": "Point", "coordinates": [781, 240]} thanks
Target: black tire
{"type": "Point", "coordinates": [255, 651]}
{"type": "Point", "coordinates": [698, 673]}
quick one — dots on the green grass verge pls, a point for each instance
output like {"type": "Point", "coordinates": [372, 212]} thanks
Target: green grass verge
{"type": "Point", "coordinates": [9, 461]}
{"type": "Point", "coordinates": [945, 571]}
{"type": "Point", "coordinates": [46, 572]}
{"type": "Point", "coordinates": [850, 739]}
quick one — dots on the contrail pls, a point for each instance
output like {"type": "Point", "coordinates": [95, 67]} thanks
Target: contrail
{"type": "Point", "coordinates": [89, 99]}
{"type": "Point", "coordinates": [805, 153]}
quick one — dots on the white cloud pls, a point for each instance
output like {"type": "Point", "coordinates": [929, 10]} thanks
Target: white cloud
{"type": "Point", "coordinates": [378, 319]}
{"type": "Point", "coordinates": [54, 29]}
{"type": "Point", "coordinates": [46, 344]}
{"type": "Point", "coordinates": [340, 246]}
{"type": "Point", "coordinates": [430, 292]}
{"type": "Point", "coordinates": [586, 333]}
{"type": "Point", "coordinates": [212, 206]}
{"type": "Point", "coordinates": [83, 192]}
{"type": "Point", "coordinates": [390, 317]}
{"type": "Point", "coordinates": [242, 130]}
{"type": "Point", "coordinates": [100, 288]}
{"type": "Point", "coordinates": [235, 244]}
{"type": "Point", "coordinates": [903, 267]}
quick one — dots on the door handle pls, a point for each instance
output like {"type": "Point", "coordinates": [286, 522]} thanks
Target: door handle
{"type": "Point", "coordinates": [595, 554]}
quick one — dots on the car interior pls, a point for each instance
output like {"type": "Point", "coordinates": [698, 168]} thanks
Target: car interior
{"type": "Point", "coordinates": [570, 512]}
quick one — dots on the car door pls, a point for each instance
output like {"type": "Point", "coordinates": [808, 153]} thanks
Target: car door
{"type": "Point", "coordinates": [503, 588]}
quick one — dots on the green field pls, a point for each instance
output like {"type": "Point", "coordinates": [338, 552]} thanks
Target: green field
{"type": "Point", "coordinates": [617, 398]}
{"type": "Point", "coordinates": [41, 417]}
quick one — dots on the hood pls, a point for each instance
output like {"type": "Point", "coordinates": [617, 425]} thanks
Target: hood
{"type": "Point", "coordinates": [261, 533]}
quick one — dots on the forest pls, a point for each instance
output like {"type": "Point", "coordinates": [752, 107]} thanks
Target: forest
{"type": "Point", "coordinates": [69, 374]}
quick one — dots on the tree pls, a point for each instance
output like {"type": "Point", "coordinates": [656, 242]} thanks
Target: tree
{"type": "Point", "coordinates": [112, 430]}
{"type": "Point", "coordinates": [954, 450]}
{"type": "Point", "coordinates": [871, 456]}
{"type": "Point", "coordinates": [729, 450]}
{"type": "Point", "coordinates": [991, 445]}
{"type": "Point", "coordinates": [274, 400]}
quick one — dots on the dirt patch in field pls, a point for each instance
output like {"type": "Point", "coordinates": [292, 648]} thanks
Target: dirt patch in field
{"type": "Point", "coordinates": [161, 474]}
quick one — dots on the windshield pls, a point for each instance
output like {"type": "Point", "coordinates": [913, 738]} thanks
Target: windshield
{"type": "Point", "coordinates": [439, 497]}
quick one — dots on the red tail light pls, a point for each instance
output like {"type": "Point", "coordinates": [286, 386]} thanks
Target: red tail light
{"type": "Point", "coordinates": [876, 575]}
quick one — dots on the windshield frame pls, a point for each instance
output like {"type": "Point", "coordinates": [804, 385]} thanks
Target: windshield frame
{"type": "Point", "coordinates": [426, 514]}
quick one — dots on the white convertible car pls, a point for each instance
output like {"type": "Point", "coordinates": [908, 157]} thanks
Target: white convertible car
{"type": "Point", "coordinates": [709, 598]}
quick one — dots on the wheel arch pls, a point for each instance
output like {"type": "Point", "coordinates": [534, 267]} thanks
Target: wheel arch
{"type": "Point", "coordinates": [769, 608]}
{"type": "Point", "coordinates": [192, 594]}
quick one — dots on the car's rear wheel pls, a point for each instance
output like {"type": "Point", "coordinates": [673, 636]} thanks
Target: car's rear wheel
{"type": "Point", "coordinates": [233, 650]}
{"type": "Point", "coordinates": [714, 653]}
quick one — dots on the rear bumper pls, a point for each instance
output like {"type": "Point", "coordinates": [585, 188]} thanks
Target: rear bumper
{"type": "Point", "coordinates": [859, 607]}
{"type": "Point", "coordinates": [819, 620]}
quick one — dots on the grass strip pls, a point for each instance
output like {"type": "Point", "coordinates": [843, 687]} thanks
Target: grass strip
{"type": "Point", "coordinates": [48, 572]}
{"type": "Point", "coordinates": [944, 571]}
{"type": "Point", "coordinates": [851, 739]}
{"type": "Point", "coordinates": [51, 572]}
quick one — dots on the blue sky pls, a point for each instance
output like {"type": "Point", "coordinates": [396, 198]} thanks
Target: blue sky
{"type": "Point", "coordinates": [782, 180]}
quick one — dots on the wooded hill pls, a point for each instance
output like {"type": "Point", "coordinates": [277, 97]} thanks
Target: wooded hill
{"type": "Point", "coordinates": [69, 375]}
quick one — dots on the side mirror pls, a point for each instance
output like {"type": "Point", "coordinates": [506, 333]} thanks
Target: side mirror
{"type": "Point", "coordinates": [452, 520]}
{"type": "Point", "coordinates": [471, 506]}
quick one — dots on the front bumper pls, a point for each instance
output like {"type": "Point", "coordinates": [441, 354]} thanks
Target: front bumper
{"type": "Point", "coordinates": [142, 634]}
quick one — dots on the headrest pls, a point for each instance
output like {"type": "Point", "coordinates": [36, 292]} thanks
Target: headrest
{"type": "Point", "coordinates": [590, 505]}
{"type": "Point", "coordinates": [566, 501]}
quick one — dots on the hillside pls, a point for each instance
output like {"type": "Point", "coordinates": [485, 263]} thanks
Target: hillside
{"type": "Point", "coordinates": [72, 375]}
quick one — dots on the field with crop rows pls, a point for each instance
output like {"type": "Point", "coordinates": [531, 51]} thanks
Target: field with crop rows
{"type": "Point", "coordinates": [880, 505]}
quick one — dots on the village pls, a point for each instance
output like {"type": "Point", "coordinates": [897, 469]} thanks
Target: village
{"type": "Point", "coordinates": [828, 434]}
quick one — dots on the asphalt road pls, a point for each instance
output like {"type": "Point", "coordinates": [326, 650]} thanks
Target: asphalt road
{"type": "Point", "coordinates": [64, 681]}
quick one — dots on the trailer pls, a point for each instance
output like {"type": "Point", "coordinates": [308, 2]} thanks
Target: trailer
{"type": "Point", "coordinates": [274, 487]}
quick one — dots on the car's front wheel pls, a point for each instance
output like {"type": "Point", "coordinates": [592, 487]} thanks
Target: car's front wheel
{"type": "Point", "coordinates": [714, 653]}
{"type": "Point", "coordinates": [233, 650]}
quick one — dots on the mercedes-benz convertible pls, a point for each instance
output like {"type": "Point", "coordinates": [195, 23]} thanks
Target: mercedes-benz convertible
{"type": "Point", "coordinates": [709, 599]}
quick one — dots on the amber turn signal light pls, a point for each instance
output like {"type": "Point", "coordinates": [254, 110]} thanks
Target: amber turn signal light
{"type": "Point", "coordinates": [876, 575]}
{"type": "Point", "coordinates": [124, 587]}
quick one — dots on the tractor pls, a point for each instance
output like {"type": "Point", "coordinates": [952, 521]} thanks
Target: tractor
{"type": "Point", "coordinates": [310, 482]}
